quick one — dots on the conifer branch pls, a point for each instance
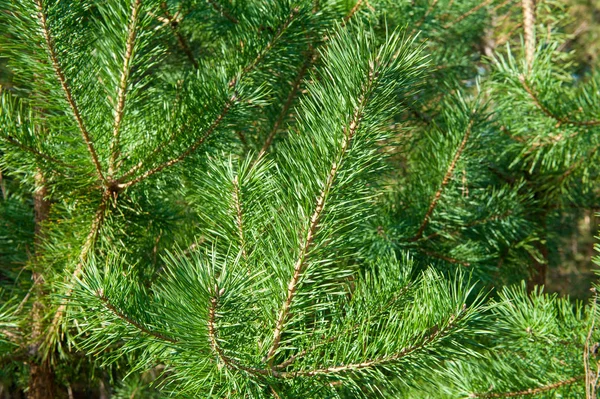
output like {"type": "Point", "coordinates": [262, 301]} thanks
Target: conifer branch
{"type": "Point", "coordinates": [42, 19]}
{"type": "Point", "coordinates": [468, 13]}
{"type": "Point", "coordinates": [436, 334]}
{"type": "Point", "coordinates": [226, 108]}
{"type": "Point", "coordinates": [469, 225]}
{"type": "Point", "coordinates": [444, 257]}
{"type": "Point", "coordinates": [288, 102]}
{"type": "Point", "coordinates": [108, 305]}
{"type": "Point", "coordinates": [299, 267]}
{"type": "Point", "coordinates": [237, 203]}
{"type": "Point", "coordinates": [560, 120]}
{"type": "Point", "coordinates": [263, 53]}
{"type": "Point", "coordinates": [189, 150]}
{"type": "Point", "coordinates": [422, 19]}
{"type": "Point", "coordinates": [37, 153]}
{"type": "Point", "coordinates": [122, 90]}
{"type": "Point", "coordinates": [531, 391]}
{"type": "Point", "coordinates": [180, 38]}
{"type": "Point", "coordinates": [445, 182]}
{"type": "Point", "coordinates": [219, 9]}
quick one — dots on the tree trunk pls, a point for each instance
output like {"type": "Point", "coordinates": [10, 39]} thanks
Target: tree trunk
{"type": "Point", "coordinates": [41, 374]}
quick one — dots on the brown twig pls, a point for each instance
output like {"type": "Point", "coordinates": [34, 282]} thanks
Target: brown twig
{"type": "Point", "coordinates": [180, 39]}
{"type": "Point", "coordinates": [122, 90]}
{"type": "Point", "coordinates": [445, 182]}
{"type": "Point", "coordinates": [108, 305]}
{"type": "Point", "coordinates": [531, 391]}
{"type": "Point", "coordinates": [218, 8]}
{"type": "Point", "coordinates": [189, 150]}
{"type": "Point", "coordinates": [468, 13]}
{"type": "Point", "coordinates": [560, 120]}
{"type": "Point", "coordinates": [288, 102]}
{"type": "Point", "coordinates": [67, 90]}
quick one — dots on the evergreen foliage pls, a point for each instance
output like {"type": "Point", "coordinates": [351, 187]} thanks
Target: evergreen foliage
{"type": "Point", "coordinates": [285, 199]}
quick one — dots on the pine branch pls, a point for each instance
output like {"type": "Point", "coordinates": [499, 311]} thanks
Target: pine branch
{"type": "Point", "coordinates": [560, 120]}
{"type": "Point", "coordinates": [122, 91]}
{"type": "Point", "coordinates": [444, 257]}
{"type": "Point", "coordinates": [288, 102]}
{"type": "Point", "coordinates": [218, 8]}
{"type": "Point", "coordinates": [180, 38]}
{"type": "Point", "coordinates": [108, 305]}
{"type": "Point", "coordinates": [468, 13]}
{"type": "Point", "coordinates": [531, 391]}
{"type": "Point", "coordinates": [469, 225]}
{"type": "Point", "coordinates": [67, 90]}
{"type": "Point", "coordinates": [299, 267]}
{"type": "Point", "coordinates": [227, 107]}
{"type": "Point", "coordinates": [293, 14]}
{"type": "Point", "coordinates": [37, 153]}
{"type": "Point", "coordinates": [372, 363]}
{"type": "Point", "coordinates": [444, 183]}
{"type": "Point", "coordinates": [189, 150]}
{"type": "Point", "coordinates": [422, 19]}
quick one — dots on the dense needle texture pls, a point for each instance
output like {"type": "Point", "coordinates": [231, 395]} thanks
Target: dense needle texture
{"type": "Point", "coordinates": [294, 199]}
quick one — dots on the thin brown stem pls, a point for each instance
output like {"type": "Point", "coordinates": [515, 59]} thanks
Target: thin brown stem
{"type": "Point", "coordinates": [108, 305]}
{"type": "Point", "coordinates": [444, 257]}
{"type": "Point", "coordinates": [37, 153]}
{"type": "Point", "coordinates": [302, 259]}
{"type": "Point", "coordinates": [559, 119]}
{"type": "Point", "coordinates": [468, 13]}
{"type": "Point", "coordinates": [122, 90]}
{"type": "Point", "coordinates": [218, 8]}
{"type": "Point", "coordinates": [288, 103]}
{"type": "Point", "coordinates": [67, 90]}
{"type": "Point", "coordinates": [422, 19]}
{"type": "Point", "coordinates": [189, 150]}
{"type": "Point", "coordinates": [531, 391]}
{"type": "Point", "coordinates": [180, 38]}
{"type": "Point", "coordinates": [445, 182]}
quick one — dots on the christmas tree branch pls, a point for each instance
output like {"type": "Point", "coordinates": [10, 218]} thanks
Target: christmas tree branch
{"type": "Point", "coordinates": [468, 225]}
{"type": "Point", "coordinates": [37, 153]}
{"type": "Point", "coordinates": [436, 334]}
{"type": "Point", "coordinates": [108, 305]}
{"type": "Point", "coordinates": [531, 391]}
{"type": "Point", "coordinates": [278, 35]}
{"type": "Point", "coordinates": [299, 267]}
{"type": "Point", "coordinates": [444, 257]}
{"type": "Point", "coordinates": [122, 90]}
{"type": "Point", "coordinates": [560, 120]}
{"type": "Point", "coordinates": [444, 183]}
{"type": "Point", "coordinates": [468, 13]}
{"type": "Point", "coordinates": [180, 38]}
{"type": "Point", "coordinates": [227, 107]}
{"type": "Point", "coordinates": [67, 90]}
{"type": "Point", "coordinates": [219, 8]}
{"type": "Point", "coordinates": [189, 150]}
{"type": "Point", "coordinates": [288, 102]}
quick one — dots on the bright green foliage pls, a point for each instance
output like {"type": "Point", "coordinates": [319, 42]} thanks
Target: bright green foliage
{"type": "Point", "coordinates": [292, 199]}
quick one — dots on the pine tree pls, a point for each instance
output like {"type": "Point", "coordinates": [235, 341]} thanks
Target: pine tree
{"type": "Point", "coordinates": [292, 199]}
